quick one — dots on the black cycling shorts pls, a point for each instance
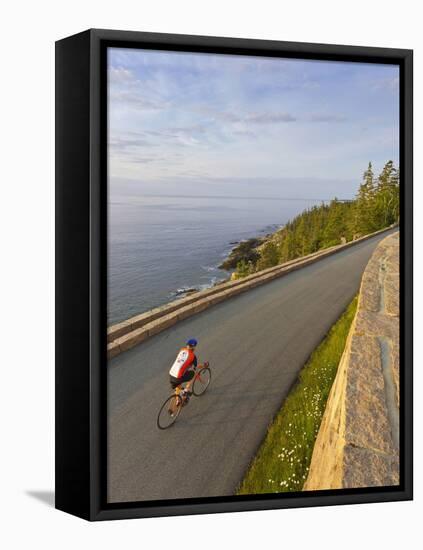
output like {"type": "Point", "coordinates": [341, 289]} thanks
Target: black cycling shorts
{"type": "Point", "coordinates": [186, 377]}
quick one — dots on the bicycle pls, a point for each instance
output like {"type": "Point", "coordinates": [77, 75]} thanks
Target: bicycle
{"type": "Point", "coordinates": [171, 408]}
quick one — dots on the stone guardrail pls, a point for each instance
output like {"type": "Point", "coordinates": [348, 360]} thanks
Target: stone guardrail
{"type": "Point", "coordinates": [358, 441]}
{"type": "Point", "coordinates": [127, 334]}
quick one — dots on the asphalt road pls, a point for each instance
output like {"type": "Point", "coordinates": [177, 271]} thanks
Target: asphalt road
{"type": "Point", "coordinates": [256, 344]}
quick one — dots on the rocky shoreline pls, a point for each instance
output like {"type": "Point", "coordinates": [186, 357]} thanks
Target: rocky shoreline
{"type": "Point", "coordinates": [247, 250]}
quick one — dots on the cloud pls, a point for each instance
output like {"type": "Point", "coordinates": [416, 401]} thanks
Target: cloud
{"type": "Point", "coordinates": [390, 83]}
{"type": "Point", "coordinates": [270, 118]}
{"type": "Point", "coordinates": [166, 161]}
{"type": "Point", "coordinates": [253, 118]}
{"type": "Point", "coordinates": [120, 75]}
{"type": "Point", "coordinates": [198, 128]}
{"type": "Point", "coordinates": [244, 133]}
{"type": "Point", "coordinates": [225, 116]}
{"type": "Point", "coordinates": [179, 135]}
{"type": "Point", "coordinates": [145, 160]}
{"type": "Point", "coordinates": [136, 99]}
{"type": "Point", "coordinates": [327, 118]}
{"type": "Point", "coordinates": [122, 144]}
{"type": "Point", "coordinates": [128, 91]}
{"type": "Point", "coordinates": [271, 113]}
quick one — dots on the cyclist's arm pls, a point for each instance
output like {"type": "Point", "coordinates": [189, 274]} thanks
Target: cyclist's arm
{"type": "Point", "coordinates": [192, 365]}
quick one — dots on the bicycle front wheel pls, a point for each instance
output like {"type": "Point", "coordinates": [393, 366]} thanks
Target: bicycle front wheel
{"type": "Point", "coordinates": [201, 381]}
{"type": "Point", "coordinates": [169, 412]}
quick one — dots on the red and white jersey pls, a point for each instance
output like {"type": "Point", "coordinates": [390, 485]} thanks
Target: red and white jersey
{"type": "Point", "coordinates": [183, 361]}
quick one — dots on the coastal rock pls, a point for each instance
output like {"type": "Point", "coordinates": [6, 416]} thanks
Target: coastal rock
{"type": "Point", "coordinates": [186, 291]}
{"type": "Point", "coordinates": [245, 250]}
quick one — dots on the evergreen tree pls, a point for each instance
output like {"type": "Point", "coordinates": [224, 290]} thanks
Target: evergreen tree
{"type": "Point", "coordinates": [376, 206]}
{"type": "Point", "coordinates": [335, 227]}
{"type": "Point", "coordinates": [387, 198]}
{"type": "Point", "coordinates": [269, 256]}
{"type": "Point", "coordinates": [365, 219]}
{"type": "Point", "coordinates": [244, 268]}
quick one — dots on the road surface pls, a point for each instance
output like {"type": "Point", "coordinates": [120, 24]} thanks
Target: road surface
{"type": "Point", "coordinates": [256, 343]}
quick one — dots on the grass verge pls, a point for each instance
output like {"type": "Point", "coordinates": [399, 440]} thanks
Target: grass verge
{"type": "Point", "coordinates": [283, 460]}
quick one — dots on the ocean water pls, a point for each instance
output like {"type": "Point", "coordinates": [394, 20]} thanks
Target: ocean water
{"type": "Point", "coordinates": [159, 246]}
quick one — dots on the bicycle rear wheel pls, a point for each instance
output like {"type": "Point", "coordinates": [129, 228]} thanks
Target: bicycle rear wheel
{"type": "Point", "coordinates": [169, 412]}
{"type": "Point", "coordinates": [201, 381]}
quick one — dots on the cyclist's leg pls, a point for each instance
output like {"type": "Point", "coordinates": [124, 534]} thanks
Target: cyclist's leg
{"type": "Point", "coordinates": [188, 378]}
{"type": "Point", "coordinates": [176, 387]}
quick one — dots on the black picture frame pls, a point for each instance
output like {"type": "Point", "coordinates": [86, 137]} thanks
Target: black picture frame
{"type": "Point", "coordinates": [81, 285]}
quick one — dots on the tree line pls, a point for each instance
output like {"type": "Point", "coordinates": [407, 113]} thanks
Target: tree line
{"type": "Point", "coordinates": [375, 206]}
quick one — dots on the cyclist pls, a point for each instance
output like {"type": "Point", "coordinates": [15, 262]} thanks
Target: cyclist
{"type": "Point", "coordinates": [182, 369]}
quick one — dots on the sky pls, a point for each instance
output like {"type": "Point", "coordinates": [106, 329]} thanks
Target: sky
{"type": "Point", "coordinates": [217, 123]}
